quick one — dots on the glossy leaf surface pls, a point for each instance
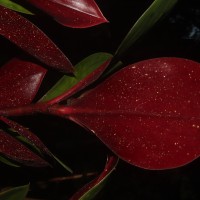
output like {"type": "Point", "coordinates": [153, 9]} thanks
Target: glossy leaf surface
{"type": "Point", "coordinates": [16, 193]}
{"type": "Point", "coordinates": [19, 82]}
{"type": "Point", "coordinates": [82, 70]}
{"type": "Point", "coordinates": [72, 13]}
{"type": "Point", "coordinates": [14, 150]}
{"type": "Point", "coordinates": [147, 113]}
{"type": "Point", "coordinates": [151, 16]}
{"type": "Point", "coordinates": [89, 191]}
{"type": "Point", "coordinates": [27, 36]}
{"type": "Point", "coordinates": [14, 6]}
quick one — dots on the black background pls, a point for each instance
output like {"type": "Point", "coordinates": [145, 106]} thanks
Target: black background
{"type": "Point", "coordinates": [178, 35]}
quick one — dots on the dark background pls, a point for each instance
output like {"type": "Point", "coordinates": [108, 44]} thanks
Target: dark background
{"type": "Point", "coordinates": [178, 35]}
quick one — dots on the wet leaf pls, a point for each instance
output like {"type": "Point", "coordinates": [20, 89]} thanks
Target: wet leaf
{"type": "Point", "coordinates": [147, 113]}
{"type": "Point", "coordinates": [75, 14]}
{"type": "Point", "coordinates": [19, 82]}
{"type": "Point", "coordinates": [14, 6]}
{"type": "Point", "coordinates": [151, 16]}
{"type": "Point", "coordinates": [27, 36]}
{"type": "Point", "coordinates": [91, 190]}
{"type": "Point", "coordinates": [14, 150]}
{"type": "Point", "coordinates": [83, 69]}
{"type": "Point", "coordinates": [16, 193]}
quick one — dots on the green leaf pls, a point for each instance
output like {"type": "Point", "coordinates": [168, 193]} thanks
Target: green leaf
{"type": "Point", "coordinates": [17, 193]}
{"type": "Point", "coordinates": [82, 69]}
{"type": "Point", "coordinates": [153, 14]}
{"type": "Point", "coordinates": [8, 162]}
{"type": "Point", "coordinates": [62, 164]}
{"type": "Point", "coordinates": [90, 191]}
{"type": "Point", "coordinates": [14, 6]}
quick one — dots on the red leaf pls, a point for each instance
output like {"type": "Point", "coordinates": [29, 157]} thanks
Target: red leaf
{"type": "Point", "coordinates": [75, 14]}
{"type": "Point", "coordinates": [147, 113]}
{"type": "Point", "coordinates": [27, 36]}
{"type": "Point", "coordinates": [19, 82]}
{"type": "Point", "coordinates": [89, 189]}
{"type": "Point", "coordinates": [32, 138]}
{"type": "Point", "coordinates": [13, 149]}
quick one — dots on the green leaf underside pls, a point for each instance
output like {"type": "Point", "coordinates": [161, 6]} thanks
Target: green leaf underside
{"type": "Point", "coordinates": [17, 193]}
{"type": "Point", "coordinates": [157, 10]}
{"type": "Point", "coordinates": [82, 69]}
{"type": "Point", "coordinates": [8, 162]}
{"type": "Point", "coordinates": [14, 6]}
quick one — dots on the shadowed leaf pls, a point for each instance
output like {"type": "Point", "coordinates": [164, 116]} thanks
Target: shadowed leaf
{"type": "Point", "coordinates": [8, 162]}
{"type": "Point", "coordinates": [147, 113]}
{"type": "Point", "coordinates": [26, 133]}
{"type": "Point", "coordinates": [32, 139]}
{"type": "Point", "coordinates": [14, 150]}
{"type": "Point", "coordinates": [151, 16]}
{"type": "Point", "coordinates": [75, 14]}
{"type": "Point", "coordinates": [16, 193]}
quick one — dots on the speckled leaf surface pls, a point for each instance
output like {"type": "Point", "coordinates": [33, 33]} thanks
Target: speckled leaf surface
{"type": "Point", "coordinates": [27, 36]}
{"type": "Point", "coordinates": [147, 113]}
{"type": "Point", "coordinates": [19, 82]}
{"type": "Point", "coordinates": [26, 133]}
{"type": "Point", "coordinates": [14, 150]}
{"type": "Point", "coordinates": [89, 191]}
{"type": "Point", "coordinates": [72, 13]}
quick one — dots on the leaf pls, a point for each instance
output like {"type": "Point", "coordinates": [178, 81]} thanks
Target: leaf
{"type": "Point", "coordinates": [146, 113]}
{"type": "Point", "coordinates": [19, 82]}
{"type": "Point", "coordinates": [8, 162]}
{"type": "Point", "coordinates": [31, 39]}
{"type": "Point", "coordinates": [32, 139]}
{"type": "Point", "coordinates": [14, 150]}
{"type": "Point", "coordinates": [74, 14]}
{"type": "Point", "coordinates": [92, 66]}
{"type": "Point", "coordinates": [27, 134]}
{"type": "Point", "coordinates": [14, 6]}
{"type": "Point", "coordinates": [90, 190]}
{"type": "Point", "coordinates": [151, 16]}
{"type": "Point", "coordinates": [16, 193]}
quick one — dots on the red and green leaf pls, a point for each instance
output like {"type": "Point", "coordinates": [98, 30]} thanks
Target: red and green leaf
{"type": "Point", "coordinates": [91, 190]}
{"type": "Point", "coordinates": [85, 73]}
{"type": "Point", "coordinates": [31, 39]}
{"type": "Point", "coordinates": [19, 82]}
{"type": "Point", "coordinates": [14, 150]}
{"type": "Point", "coordinates": [27, 134]}
{"type": "Point", "coordinates": [147, 113]}
{"type": "Point", "coordinates": [75, 14]}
